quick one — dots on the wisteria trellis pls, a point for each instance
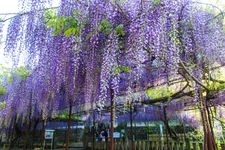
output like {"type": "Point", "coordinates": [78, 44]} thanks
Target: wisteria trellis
{"type": "Point", "coordinates": [159, 34]}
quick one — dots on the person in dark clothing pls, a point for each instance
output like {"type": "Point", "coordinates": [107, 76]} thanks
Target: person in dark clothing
{"type": "Point", "coordinates": [105, 134]}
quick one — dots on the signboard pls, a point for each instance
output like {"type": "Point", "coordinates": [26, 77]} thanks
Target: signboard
{"type": "Point", "coordinates": [4, 138]}
{"type": "Point", "coordinates": [49, 134]}
{"type": "Point", "coordinates": [116, 135]}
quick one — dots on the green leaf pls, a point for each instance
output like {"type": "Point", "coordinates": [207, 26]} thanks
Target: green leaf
{"type": "Point", "coordinates": [120, 69]}
{"type": "Point", "coordinates": [72, 31]}
{"type": "Point", "coordinates": [50, 23]}
{"type": "Point", "coordinates": [2, 90]}
{"type": "Point", "coordinates": [2, 105]}
{"type": "Point", "coordinates": [71, 22]}
{"type": "Point", "coordinates": [63, 25]}
{"type": "Point", "coordinates": [22, 72]}
{"type": "Point", "coordinates": [156, 2]}
{"type": "Point", "coordinates": [68, 32]}
{"type": "Point", "coordinates": [48, 14]}
{"type": "Point", "coordinates": [105, 26]}
{"type": "Point", "coordinates": [125, 69]}
{"type": "Point", "coordinates": [120, 30]}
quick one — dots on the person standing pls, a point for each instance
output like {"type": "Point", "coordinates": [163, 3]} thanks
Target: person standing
{"type": "Point", "coordinates": [105, 133]}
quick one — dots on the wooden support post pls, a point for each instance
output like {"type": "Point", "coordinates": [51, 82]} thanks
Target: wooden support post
{"type": "Point", "coordinates": [147, 147]}
{"type": "Point", "coordinates": [144, 145]}
{"type": "Point", "coordinates": [154, 145]}
{"type": "Point", "coordinates": [135, 145]}
{"type": "Point", "coordinates": [157, 145]}
{"type": "Point", "coordinates": [140, 145]}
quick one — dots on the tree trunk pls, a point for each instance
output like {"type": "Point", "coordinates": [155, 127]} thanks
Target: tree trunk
{"type": "Point", "coordinates": [68, 127]}
{"type": "Point", "coordinates": [131, 127]}
{"type": "Point", "coordinates": [28, 136]}
{"type": "Point", "coordinates": [112, 121]}
{"type": "Point", "coordinates": [11, 133]}
{"type": "Point", "coordinates": [172, 134]}
{"type": "Point", "coordinates": [36, 121]}
{"type": "Point", "coordinates": [209, 140]}
{"type": "Point", "coordinates": [43, 133]}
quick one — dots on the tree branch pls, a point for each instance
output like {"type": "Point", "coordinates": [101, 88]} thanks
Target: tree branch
{"type": "Point", "coordinates": [195, 79]}
{"type": "Point", "coordinates": [173, 96]}
{"type": "Point", "coordinates": [24, 13]}
{"type": "Point", "coordinates": [202, 3]}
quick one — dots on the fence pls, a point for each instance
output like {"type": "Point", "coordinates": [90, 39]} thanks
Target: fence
{"type": "Point", "coordinates": [154, 145]}
{"type": "Point", "coordinates": [137, 145]}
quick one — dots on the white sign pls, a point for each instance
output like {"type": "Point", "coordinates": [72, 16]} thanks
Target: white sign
{"type": "Point", "coordinates": [49, 134]}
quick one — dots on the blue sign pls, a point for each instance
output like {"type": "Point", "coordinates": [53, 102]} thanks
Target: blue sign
{"type": "Point", "coordinates": [116, 135]}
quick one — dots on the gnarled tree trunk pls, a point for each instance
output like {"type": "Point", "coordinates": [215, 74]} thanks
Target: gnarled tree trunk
{"type": "Point", "coordinates": [209, 140]}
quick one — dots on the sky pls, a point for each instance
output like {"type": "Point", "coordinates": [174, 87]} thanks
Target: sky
{"type": "Point", "coordinates": [11, 6]}
{"type": "Point", "coordinates": [8, 6]}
